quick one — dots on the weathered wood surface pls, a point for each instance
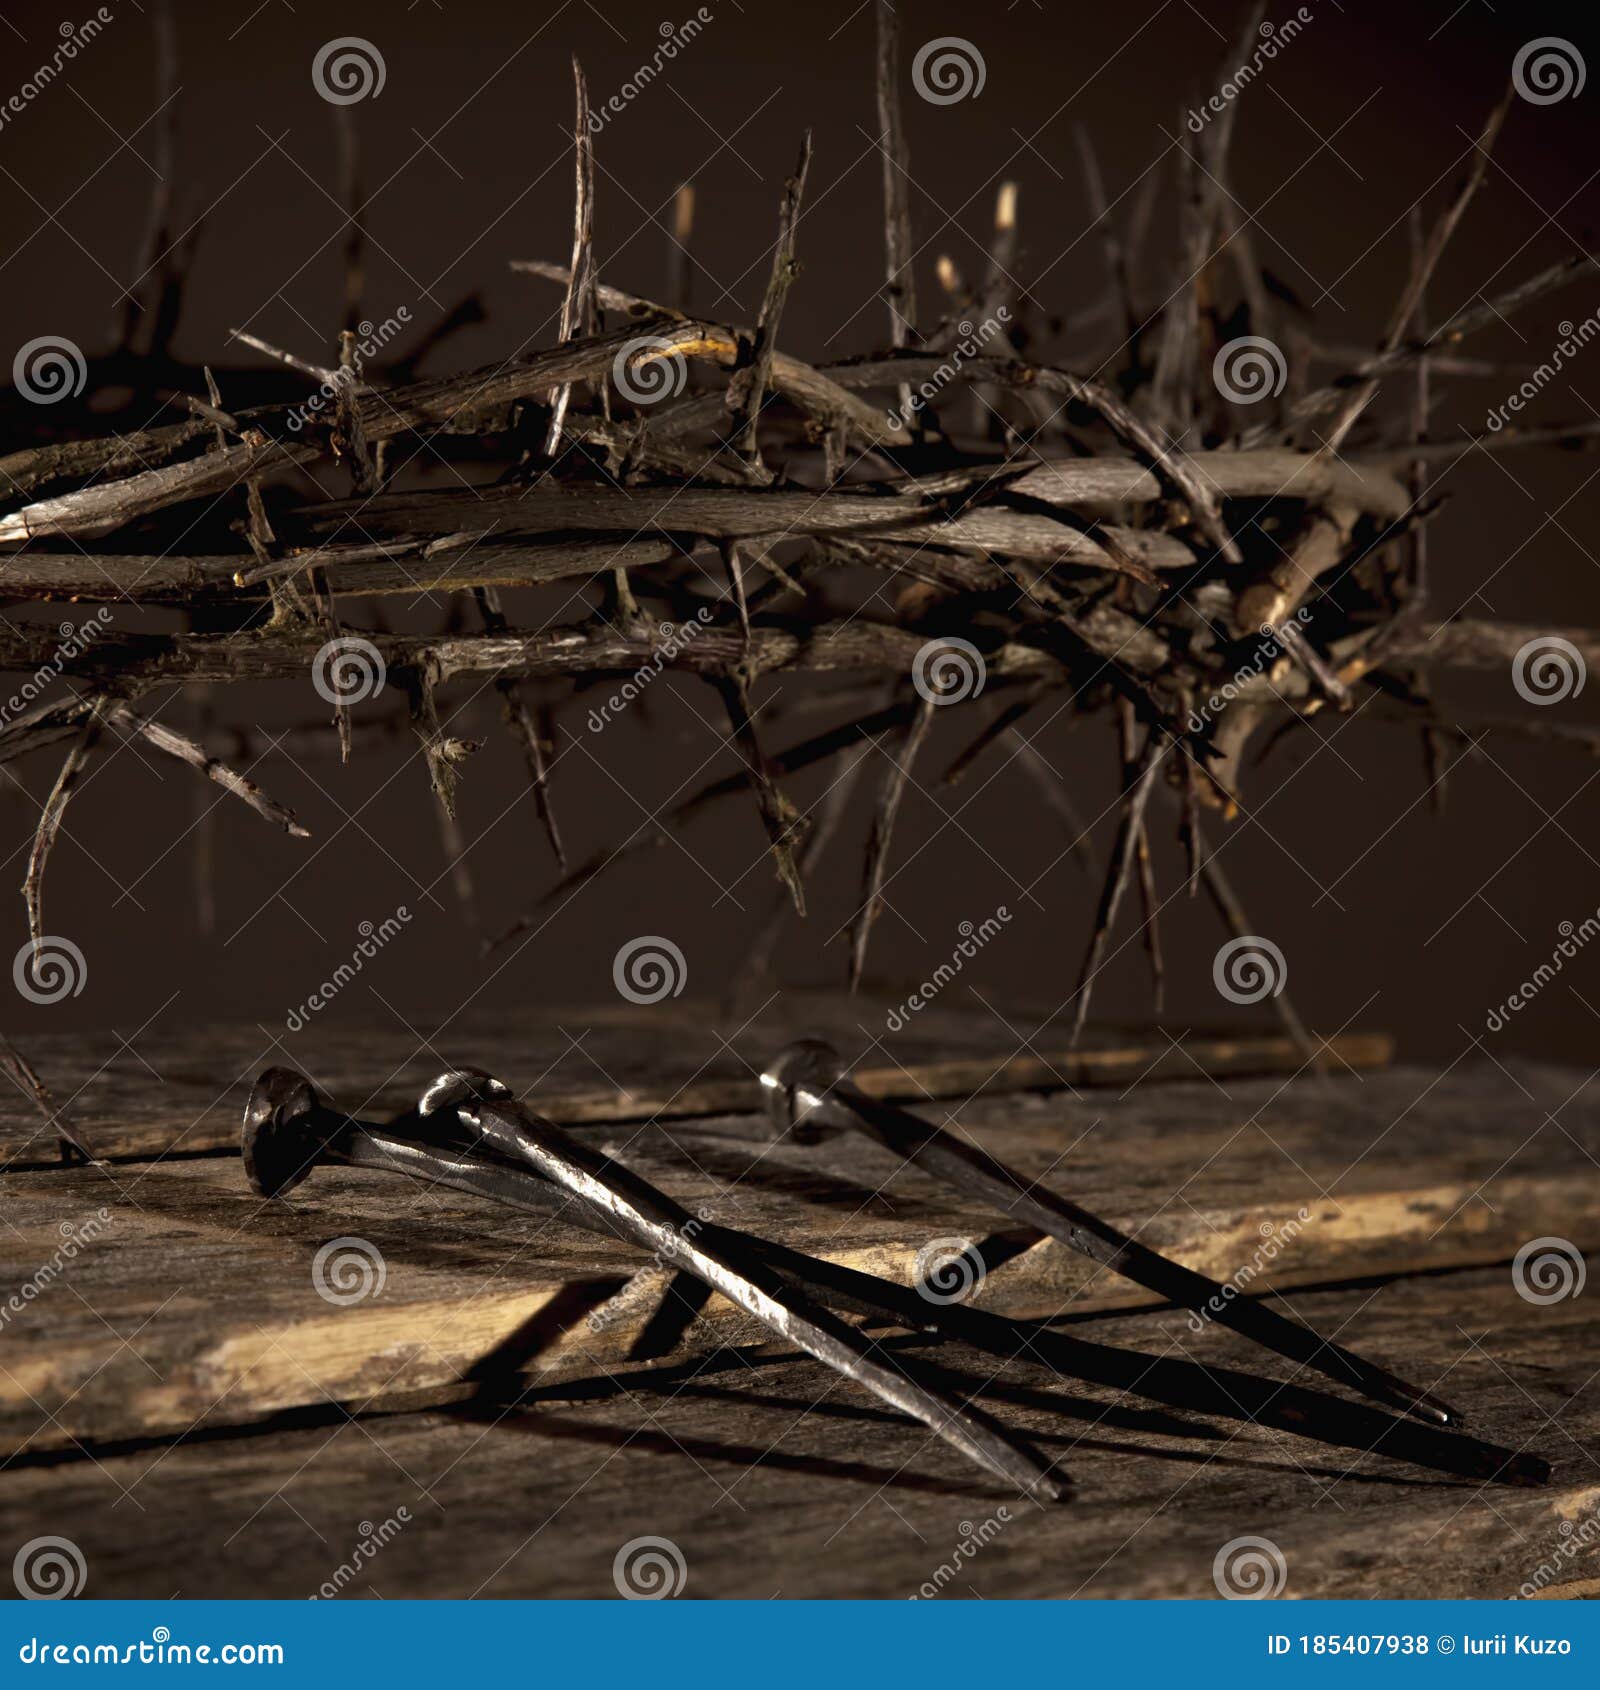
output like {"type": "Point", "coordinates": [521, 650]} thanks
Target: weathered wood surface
{"type": "Point", "coordinates": [778, 1480]}
{"type": "Point", "coordinates": [183, 1089]}
{"type": "Point", "coordinates": [197, 1306]}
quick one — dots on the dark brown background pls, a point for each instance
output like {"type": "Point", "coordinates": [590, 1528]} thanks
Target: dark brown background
{"type": "Point", "coordinates": [1387, 915]}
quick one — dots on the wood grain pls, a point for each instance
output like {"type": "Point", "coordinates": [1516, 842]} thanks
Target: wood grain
{"type": "Point", "coordinates": [777, 1480]}
{"type": "Point", "coordinates": [197, 1306]}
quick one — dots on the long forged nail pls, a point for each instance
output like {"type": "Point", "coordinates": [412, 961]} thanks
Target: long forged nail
{"type": "Point", "coordinates": [288, 1131]}
{"type": "Point", "coordinates": [806, 1086]}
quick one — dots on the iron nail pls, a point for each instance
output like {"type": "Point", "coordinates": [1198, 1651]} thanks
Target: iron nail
{"type": "Point", "coordinates": [807, 1088]}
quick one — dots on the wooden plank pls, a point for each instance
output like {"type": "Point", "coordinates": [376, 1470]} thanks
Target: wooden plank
{"type": "Point", "coordinates": [777, 1480]}
{"type": "Point", "coordinates": [182, 1090]}
{"type": "Point", "coordinates": [197, 1305]}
